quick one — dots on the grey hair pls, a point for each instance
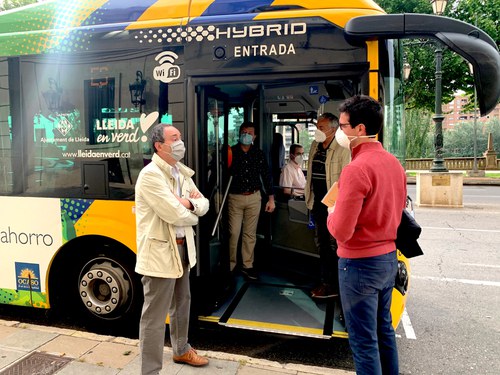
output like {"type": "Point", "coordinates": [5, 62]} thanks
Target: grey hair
{"type": "Point", "coordinates": [157, 134]}
{"type": "Point", "coordinates": [332, 119]}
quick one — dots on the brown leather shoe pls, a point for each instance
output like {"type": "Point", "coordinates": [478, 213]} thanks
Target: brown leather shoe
{"type": "Point", "coordinates": [191, 358]}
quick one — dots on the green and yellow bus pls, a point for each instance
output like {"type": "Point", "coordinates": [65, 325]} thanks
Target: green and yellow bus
{"type": "Point", "coordinates": [82, 81]}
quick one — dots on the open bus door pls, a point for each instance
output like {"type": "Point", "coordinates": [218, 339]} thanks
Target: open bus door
{"type": "Point", "coordinates": [285, 254]}
{"type": "Point", "coordinates": [214, 159]}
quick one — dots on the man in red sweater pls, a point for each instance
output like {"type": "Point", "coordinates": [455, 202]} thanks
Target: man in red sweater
{"type": "Point", "coordinates": [364, 220]}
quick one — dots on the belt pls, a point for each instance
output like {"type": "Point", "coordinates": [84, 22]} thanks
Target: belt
{"type": "Point", "coordinates": [249, 192]}
{"type": "Point", "coordinates": [180, 241]}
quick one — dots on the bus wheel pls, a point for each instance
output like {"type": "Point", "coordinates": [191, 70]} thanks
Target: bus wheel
{"type": "Point", "coordinates": [97, 290]}
{"type": "Point", "coordinates": [105, 288]}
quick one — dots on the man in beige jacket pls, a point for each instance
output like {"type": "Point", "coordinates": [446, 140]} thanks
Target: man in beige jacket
{"type": "Point", "coordinates": [167, 205]}
{"type": "Point", "coordinates": [326, 160]}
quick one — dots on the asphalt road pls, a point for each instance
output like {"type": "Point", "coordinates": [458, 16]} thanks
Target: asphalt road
{"type": "Point", "coordinates": [453, 321]}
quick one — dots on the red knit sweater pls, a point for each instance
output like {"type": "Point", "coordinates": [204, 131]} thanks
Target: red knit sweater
{"type": "Point", "coordinates": [372, 195]}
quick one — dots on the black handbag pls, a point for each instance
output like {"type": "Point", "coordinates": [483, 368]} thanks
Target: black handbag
{"type": "Point", "coordinates": [408, 233]}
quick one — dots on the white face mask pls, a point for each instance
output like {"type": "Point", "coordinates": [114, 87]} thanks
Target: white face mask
{"type": "Point", "coordinates": [299, 159]}
{"type": "Point", "coordinates": [319, 136]}
{"type": "Point", "coordinates": [178, 150]}
{"type": "Point", "coordinates": [345, 141]}
{"type": "Point", "coordinates": [342, 139]}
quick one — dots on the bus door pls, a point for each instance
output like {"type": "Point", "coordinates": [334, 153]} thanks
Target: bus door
{"type": "Point", "coordinates": [285, 255]}
{"type": "Point", "coordinates": [213, 160]}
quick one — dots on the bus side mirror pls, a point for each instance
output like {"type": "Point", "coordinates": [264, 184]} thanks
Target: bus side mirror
{"type": "Point", "coordinates": [468, 41]}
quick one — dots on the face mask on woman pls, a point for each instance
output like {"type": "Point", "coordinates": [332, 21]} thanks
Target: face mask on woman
{"type": "Point", "coordinates": [246, 139]}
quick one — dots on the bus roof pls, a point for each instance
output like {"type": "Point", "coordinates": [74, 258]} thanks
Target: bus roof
{"type": "Point", "coordinates": [131, 14]}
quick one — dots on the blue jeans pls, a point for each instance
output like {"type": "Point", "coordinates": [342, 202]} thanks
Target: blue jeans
{"type": "Point", "coordinates": [366, 292]}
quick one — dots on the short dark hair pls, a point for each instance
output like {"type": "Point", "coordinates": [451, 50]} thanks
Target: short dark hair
{"type": "Point", "coordinates": [334, 120]}
{"type": "Point", "coordinates": [157, 134]}
{"type": "Point", "coordinates": [294, 147]}
{"type": "Point", "coordinates": [363, 109]}
{"type": "Point", "coordinates": [247, 124]}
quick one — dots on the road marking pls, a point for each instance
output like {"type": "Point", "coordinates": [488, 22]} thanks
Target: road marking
{"type": "Point", "coordinates": [480, 265]}
{"type": "Point", "coordinates": [464, 229]}
{"type": "Point", "coordinates": [410, 333]}
{"type": "Point", "coordinates": [463, 281]}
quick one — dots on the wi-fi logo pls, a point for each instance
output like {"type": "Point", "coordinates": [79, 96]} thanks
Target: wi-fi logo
{"type": "Point", "coordinates": [166, 71]}
{"type": "Point", "coordinates": [166, 56]}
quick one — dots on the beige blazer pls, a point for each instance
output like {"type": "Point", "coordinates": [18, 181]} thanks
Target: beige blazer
{"type": "Point", "coordinates": [158, 212]}
{"type": "Point", "coordinates": [336, 158]}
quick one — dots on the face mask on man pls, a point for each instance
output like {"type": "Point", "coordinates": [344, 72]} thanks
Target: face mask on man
{"type": "Point", "coordinates": [342, 139]}
{"type": "Point", "coordinates": [246, 139]}
{"type": "Point", "coordinates": [178, 150]}
{"type": "Point", "coordinates": [345, 141]}
{"type": "Point", "coordinates": [319, 136]}
{"type": "Point", "coordinates": [299, 159]}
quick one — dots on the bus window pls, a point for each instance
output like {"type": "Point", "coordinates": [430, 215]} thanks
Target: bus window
{"type": "Point", "coordinates": [82, 110]}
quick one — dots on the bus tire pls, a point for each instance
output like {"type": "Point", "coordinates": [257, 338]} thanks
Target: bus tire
{"type": "Point", "coordinates": [100, 287]}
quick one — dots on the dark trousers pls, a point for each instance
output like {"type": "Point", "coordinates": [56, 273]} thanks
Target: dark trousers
{"type": "Point", "coordinates": [366, 291]}
{"type": "Point", "coordinates": [327, 246]}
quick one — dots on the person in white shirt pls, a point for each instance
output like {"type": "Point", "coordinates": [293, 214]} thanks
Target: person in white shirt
{"type": "Point", "coordinates": [292, 178]}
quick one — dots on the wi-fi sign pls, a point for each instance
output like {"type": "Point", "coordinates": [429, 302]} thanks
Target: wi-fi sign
{"type": "Point", "coordinates": [166, 71]}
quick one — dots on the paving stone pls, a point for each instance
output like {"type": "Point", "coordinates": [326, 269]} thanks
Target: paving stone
{"type": "Point", "coordinates": [69, 346]}
{"type": "Point", "coordinates": [110, 354]}
{"type": "Point", "coordinates": [37, 327]}
{"type": "Point", "coordinates": [6, 331]}
{"type": "Point", "coordinates": [82, 368]}
{"type": "Point", "coordinates": [9, 356]}
{"type": "Point", "coordinates": [27, 339]}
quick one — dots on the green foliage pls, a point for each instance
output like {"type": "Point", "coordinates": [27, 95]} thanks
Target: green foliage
{"type": "Point", "coordinates": [420, 87]}
{"type": "Point", "coordinates": [459, 142]}
{"type": "Point", "coordinates": [11, 4]}
{"type": "Point", "coordinates": [305, 139]}
{"type": "Point", "coordinates": [485, 14]}
{"type": "Point", "coordinates": [419, 142]}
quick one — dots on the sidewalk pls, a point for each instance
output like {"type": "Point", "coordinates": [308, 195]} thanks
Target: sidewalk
{"type": "Point", "coordinates": [27, 349]}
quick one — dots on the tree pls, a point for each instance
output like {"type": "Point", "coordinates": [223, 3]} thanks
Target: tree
{"type": "Point", "coordinates": [420, 87]}
{"type": "Point", "coordinates": [418, 133]}
{"type": "Point", "coordinates": [459, 142]}
{"type": "Point", "coordinates": [11, 4]}
{"type": "Point", "coordinates": [420, 54]}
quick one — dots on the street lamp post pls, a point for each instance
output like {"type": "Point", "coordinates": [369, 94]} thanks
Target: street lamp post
{"type": "Point", "coordinates": [438, 7]}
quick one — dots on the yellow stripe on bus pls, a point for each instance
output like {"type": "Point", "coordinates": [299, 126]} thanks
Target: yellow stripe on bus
{"type": "Point", "coordinates": [177, 10]}
{"type": "Point", "coordinates": [337, 17]}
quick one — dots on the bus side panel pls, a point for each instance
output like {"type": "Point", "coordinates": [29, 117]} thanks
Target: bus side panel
{"type": "Point", "coordinates": [110, 219]}
{"type": "Point", "coordinates": [30, 234]}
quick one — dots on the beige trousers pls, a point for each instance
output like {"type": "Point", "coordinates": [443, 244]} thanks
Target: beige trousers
{"type": "Point", "coordinates": [243, 212]}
